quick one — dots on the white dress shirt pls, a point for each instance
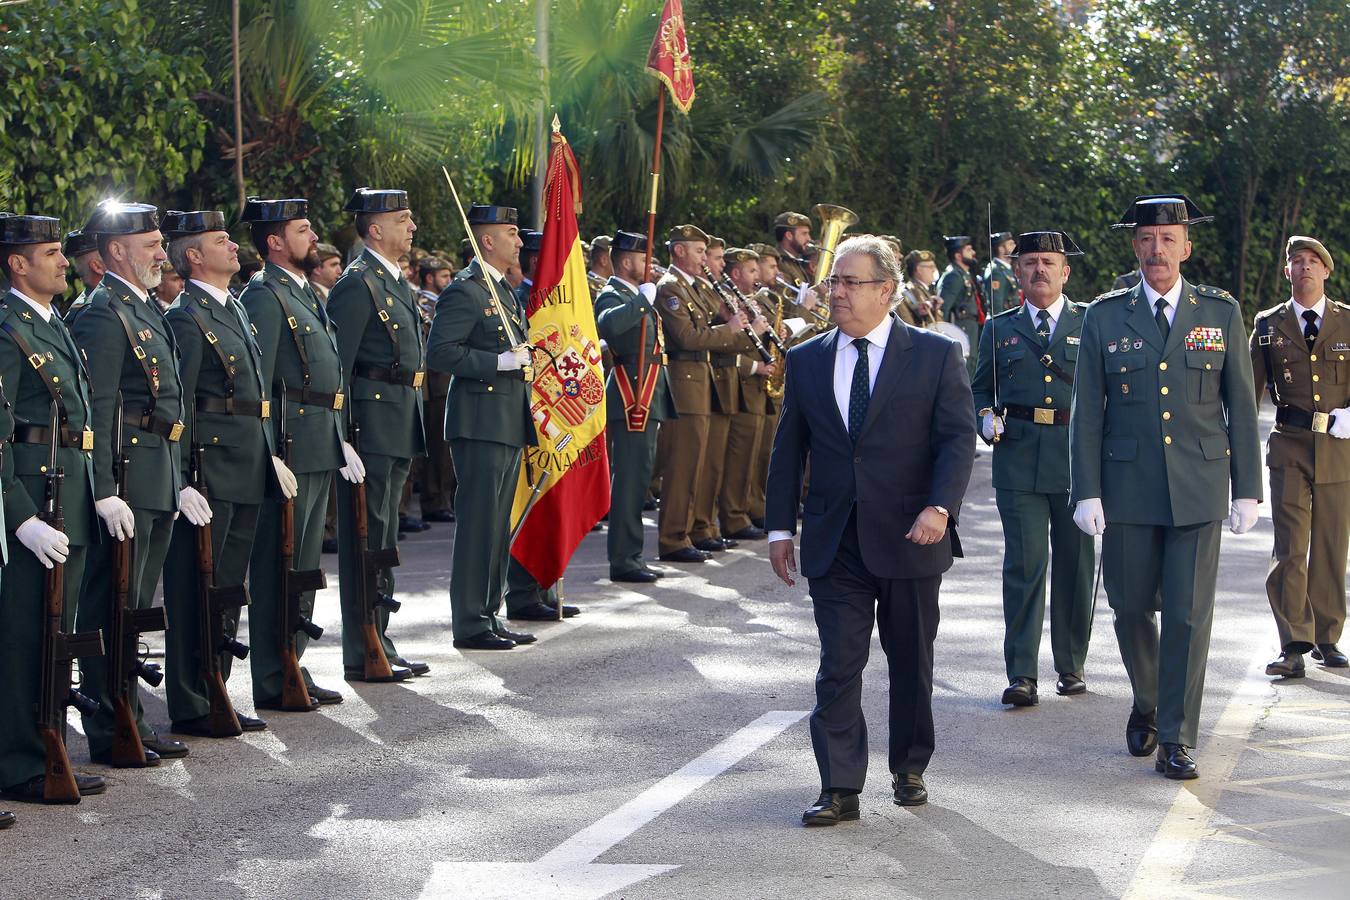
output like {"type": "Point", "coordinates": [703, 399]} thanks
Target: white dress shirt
{"type": "Point", "coordinates": [135, 290]}
{"type": "Point", "coordinates": [1055, 310]}
{"type": "Point", "coordinates": [1173, 297]}
{"type": "Point", "coordinates": [221, 297]}
{"type": "Point", "coordinates": [1320, 307]}
{"type": "Point", "coordinates": [392, 267]}
{"type": "Point", "coordinates": [44, 311]}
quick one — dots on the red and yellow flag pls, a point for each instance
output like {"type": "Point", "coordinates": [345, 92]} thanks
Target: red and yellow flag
{"type": "Point", "coordinates": [568, 395]}
{"type": "Point", "coordinates": [669, 57]}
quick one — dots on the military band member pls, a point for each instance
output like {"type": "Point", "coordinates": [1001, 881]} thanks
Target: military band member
{"type": "Point", "coordinates": [129, 348]}
{"type": "Point", "coordinates": [487, 423]}
{"type": "Point", "coordinates": [1001, 288]}
{"type": "Point", "coordinates": [220, 367]}
{"type": "Point", "coordinates": [170, 286]}
{"type": "Point", "coordinates": [1164, 420]}
{"type": "Point", "coordinates": [438, 470]}
{"type": "Point", "coordinates": [916, 294]}
{"type": "Point", "coordinates": [1026, 366]}
{"type": "Point", "coordinates": [747, 423]}
{"type": "Point", "coordinates": [683, 443]}
{"type": "Point", "coordinates": [324, 274]}
{"type": "Point", "coordinates": [33, 265]}
{"type": "Point", "coordinates": [82, 251]}
{"type": "Point", "coordinates": [638, 399]}
{"type": "Point", "coordinates": [1299, 355]}
{"type": "Point", "coordinates": [960, 293]}
{"type": "Point", "coordinates": [298, 352]}
{"type": "Point", "coordinates": [769, 278]}
{"type": "Point", "coordinates": [379, 337]}
{"type": "Point", "coordinates": [792, 235]}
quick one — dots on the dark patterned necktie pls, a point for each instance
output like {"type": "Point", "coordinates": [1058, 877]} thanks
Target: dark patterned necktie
{"type": "Point", "coordinates": [1043, 326]}
{"type": "Point", "coordinates": [1310, 329]}
{"type": "Point", "coordinates": [1161, 318]}
{"type": "Point", "coordinates": [860, 392]}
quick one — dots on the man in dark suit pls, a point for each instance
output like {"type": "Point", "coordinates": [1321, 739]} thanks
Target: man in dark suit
{"type": "Point", "coordinates": [881, 411]}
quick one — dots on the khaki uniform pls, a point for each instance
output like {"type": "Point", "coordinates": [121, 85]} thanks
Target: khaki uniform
{"type": "Point", "coordinates": [743, 444]}
{"type": "Point", "coordinates": [1309, 471]}
{"type": "Point", "coordinates": [726, 403]}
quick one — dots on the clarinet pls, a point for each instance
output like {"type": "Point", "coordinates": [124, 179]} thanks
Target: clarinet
{"type": "Point", "coordinates": [735, 307]}
{"type": "Point", "coordinates": [770, 335]}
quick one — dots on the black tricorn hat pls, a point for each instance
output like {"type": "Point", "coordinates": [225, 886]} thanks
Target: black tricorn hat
{"type": "Point", "coordinates": [29, 229]}
{"type": "Point", "coordinates": [628, 242]}
{"type": "Point", "coordinates": [181, 224]}
{"type": "Point", "coordinates": [999, 237]}
{"type": "Point", "coordinates": [954, 242]}
{"type": "Point", "coordinates": [532, 240]}
{"type": "Point", "coordinates": [1162, 209]}
{"type": "Point", "coordinates": [376, 200]}
{"type": "Point", "coordinates": [79, 242]}
{"type": "Point", "coordinates": [1046, 242]}
{"type": "Point", "coordinates": [486, 214]}
{"type": "Point", "coordinates": [116, 217]}
{"type": "Point", "coordinates": [256, 209]}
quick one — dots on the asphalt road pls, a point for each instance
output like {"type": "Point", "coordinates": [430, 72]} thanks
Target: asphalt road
{"type": "Point", "coordinates": [656, 746]}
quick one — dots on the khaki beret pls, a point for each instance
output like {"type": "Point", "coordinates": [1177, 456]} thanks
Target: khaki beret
{"type": "Point", "coordinates": [687, 233]}
{"type": "Point", "coordinates": [715, 241]}
{"type": "Point", "coordinates": [740, 255]}
{"type": "Point", "coordinates": [914, 257]}
{"type": "Point", "coordinates": [791, 220]}
{"type": "Point", "coordinates": [601, 242]}
{"type": "Point", "coordinates": [328, 251]}
{"type": "Point", "coordinates": [1303, 242]}
{"type": "Point", "coordinates": [766, 250]}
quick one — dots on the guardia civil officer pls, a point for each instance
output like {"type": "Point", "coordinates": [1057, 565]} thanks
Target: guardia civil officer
{"type": "Point", "coordinates": [379, 340]}
{"type": "Point", "coordinates": [1002, 290]}
{"type": "Point", "coordinates": [1163, 422]}
{"type": "Point", "coordinates": [129, 348]}
{"type": "Point", "coordinates": [960, 294]}
{"type": "Point", "coordinates": [1299, 356]}
{"type": "Point", "coordinates": [1023, 389]}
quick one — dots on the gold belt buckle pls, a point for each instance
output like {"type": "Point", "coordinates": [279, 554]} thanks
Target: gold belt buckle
{"type": "Point", "coordinates": [176, 432]}
{"type": "Point", "coordinates": [265, 412]}
{"type": "Point", "coordinates": [418, 378]}
{"type": "Point", "coordinates": [1043, 416]}
{"type": "Point", "coordinates": [338, 400]}
{"type": "Point", "coordinates": [87, 439]}
{"type": "Point", "coordinates": [1321, 422]}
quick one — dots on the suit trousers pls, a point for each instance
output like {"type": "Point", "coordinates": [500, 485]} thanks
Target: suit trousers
{"type": "Point", "coordinates": [846, 599]}
{"type": "Point", "coordinates": [488, 472]}
{"type": "Point", "coordinates": [1306, 581]}
{"type": "Point", "coordinates": [148, 549]}
{"type": "Point", "coordinates": [682, 447]}
{"type": "Point", "coordinates": [385, 477]}
{"type": "Point", "coordinates": [232, 529]}
{"type": "Point", "coordinates": [709, 487]}
{"type": "Point", "coordinates": [1028, 519]}
{"type": "Point", "coordinates": [742, 456]}
{"type": "Point", "coordinates": [631, 464]}
{"type": "Point", "coordinates": [264, 613]}
{"type": "Point", "coordinates": [1169, 569]}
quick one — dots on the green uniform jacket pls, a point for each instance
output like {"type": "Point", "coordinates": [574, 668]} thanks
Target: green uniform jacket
{"type": "Point", "coordinates": [957, 289]}
{"type": "Point", "coordinates": [6, 466]}
{"type": "Point", "coordinates": [1029, 457]}
{"type": "Point", "coordinates": [272, 300]}
{"type": "Point", "coordinates": [367, 306]}
{"type": "Point", "coordinates": [619, 313]}
{"type": "Point", "coordinates": [1293, 368]}
{"type": "Point", "coordinates": [1159, 431]}
{"type": "Point", "coordinates": [1001, 288]}
{"type": "Point", "coordinates": [28, 402]}
{"type": "Point", "coordinates": [235, 448]}
{"type": "Point", "coordinates": [466, 337]}
{"type": "Point", "coordinates": [154, 477]}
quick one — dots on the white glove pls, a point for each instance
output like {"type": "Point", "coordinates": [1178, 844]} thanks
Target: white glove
{"type": "Point", "coordinates": [355, 470]}
{"type": "Point", "coordinates": [648, 291]}
{"type": "Point", "coordinates": [194, 506]}
{"type": "Point", "coordinates": [992, 425]}
{"type": "Point", "coordinates": [285, 478]}
{"type": "Point", "coordinates": [1089, 517]}
{"type": "Point", "coordinates": [1242, 516]}
{"type": "Point", "coordinates": [117, 516]}
{"type": "Point", "coordinates": [1341, 427]}
{"type": "Point", "coordinates": [48, 545]}
{"type": "Point", "coordinates": [511, 360]}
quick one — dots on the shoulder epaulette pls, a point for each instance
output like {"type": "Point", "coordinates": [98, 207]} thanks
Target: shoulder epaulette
{"type": "Point", "coordinates": [357, 265]}
{"type": "Point", "coordinates": [1206, 290]}
{"type": "Point", "coordinates": [1274, 310]}
{"type": "Point", "coordinates": [1345, 306]}
{"type": "Point", "coordinates": [1112, 295]}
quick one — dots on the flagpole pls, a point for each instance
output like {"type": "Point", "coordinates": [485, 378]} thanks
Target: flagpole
{"type": "Point", "coordinates": [656, 179]}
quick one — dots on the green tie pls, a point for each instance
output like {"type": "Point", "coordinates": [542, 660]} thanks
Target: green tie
{"type": "Point", "coordinates": [1161, 317]}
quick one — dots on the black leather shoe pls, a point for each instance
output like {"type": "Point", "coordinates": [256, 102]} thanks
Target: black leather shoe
{"type": "Point", "coordinates": [31, 791]}
{"type": "Point", "coordinates": [709, 545]}
{"type": "Point", "coordinates": [728, 543]}
{"type": "Point", "coordinates": [536, 612]}
{"type": "Point", "coordinates": [417, 668]}
{"type": "Point", "coordinates": [649, 505]}
{"type": "Point", "coordinates": [105, 759]}
{"type": "Point", "coordinates": [831, 808]}
{"type": "Point", "coordinates": [909, 789]}
{"type": "Point", "coordinates": [359, 674]}
{"type": "Point", "coordinates": [249, 723]}
{"type": "Point", "coordinates": [749, 533]}
{"type": "Point", "coordinates": [323, 696]}
{"type": "Point", "coordinates": [1287, 665]}
{"type": "Point", "coordinates": [274, 704]}
{"type": "Point", "coordinates": [659, 573]}
{"type": "Point", "coordinates": [168, 748]}
{"type": "Point", "coordinates": [637, 576]}
{"type": "Point", "coordinates": [1141, 733]}
{"type": "Point", "coordinates": [1021, 691]}
{"type": "Point", "coordinates": [1070, 683]}
{"type": "Point", "coordinates": [1330, 656]}
{"type": "Point", "coordinates": [330, 545]}
{"type": "Point", "coordinates": [7, 820]}
{"type": "Point", "coordinates": [1174, 762]}
{"type": "Point", "coordinates": [439, 515]}
{"type": "Point", "coordinates": [520, 637]}
{"type": "Point", "coordinates": [686, 555]}
{"type": "Point", "coordinates": [485, 640]}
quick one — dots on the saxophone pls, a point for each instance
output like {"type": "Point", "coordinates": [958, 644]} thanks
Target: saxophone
{"type": "Point", "coordinates": [775, 386]}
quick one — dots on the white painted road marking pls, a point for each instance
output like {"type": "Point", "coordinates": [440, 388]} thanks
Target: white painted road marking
{"type": "Point", "coordinates": [569, 871]}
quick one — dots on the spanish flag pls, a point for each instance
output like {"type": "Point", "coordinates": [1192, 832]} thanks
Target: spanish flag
{"type": "Point", "coordinates": [568, 395]}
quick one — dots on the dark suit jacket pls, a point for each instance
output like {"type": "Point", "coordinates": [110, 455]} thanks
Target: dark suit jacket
{"type": "Point", "coordinates": [916, 449]}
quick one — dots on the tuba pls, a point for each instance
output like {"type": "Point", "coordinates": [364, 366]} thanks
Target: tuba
{"type": "Point", "coordinates": [833, 222]}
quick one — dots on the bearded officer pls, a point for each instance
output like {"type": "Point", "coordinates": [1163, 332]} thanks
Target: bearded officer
{"type": "Point", "coordinates": [129, 349]}
{"type": "Point", "coordinates": [379, 340]}
{"type": "Point", "coordinates": [1299, 351]}
{"type": "Point", "coordinates": [1002, 290]}
{"type": "Point", "coordinates": [960, 293]}
{"type": "Point", "coordinates": [1023, 390]}
{"type": "Point", "coordinates": [1164, 420]}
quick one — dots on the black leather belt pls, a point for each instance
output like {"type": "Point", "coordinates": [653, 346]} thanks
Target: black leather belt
{"type": "Point", "coordinates": [1037, 414]}
{"type": "Point", "coordinates": [170, 431]}
{"type": "Point", "coordinates": [41, 434]}
{"type": "Point", "coordinates": [1293, 417]}
{"type": "Point", "coordinates": [389, 376]}
{"type": "Point", "coordinates": [689, 355]}
{"type": "Point", "coordinates": [230, 407]}
{"type": "Point", "coordinates": [316, 398]}
{"type": "Point", "coordinates": [724, 360]}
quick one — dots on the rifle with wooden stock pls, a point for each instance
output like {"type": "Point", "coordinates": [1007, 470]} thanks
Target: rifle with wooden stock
{"type": "Point", "coordinates": [368, 565]}
{"type": "Point", "coordinates": [294, 584]}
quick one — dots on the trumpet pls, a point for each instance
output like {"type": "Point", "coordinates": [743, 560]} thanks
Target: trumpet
{"type": "Point", "coordinates": [734, 305]}
{"type": "Point", "coordinates": [756, 312]}
{"type": "Point", "coordinates": [819, 320]}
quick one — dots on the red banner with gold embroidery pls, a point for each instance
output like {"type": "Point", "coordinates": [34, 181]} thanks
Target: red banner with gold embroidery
{"type": "Point", "coordinates": [669, 57]}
